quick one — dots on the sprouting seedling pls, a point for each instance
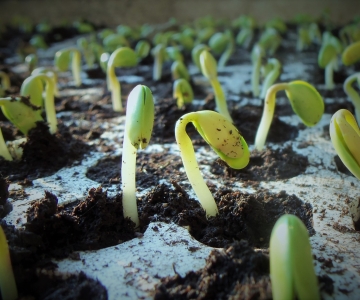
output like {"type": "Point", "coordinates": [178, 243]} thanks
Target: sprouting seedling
{"type": "Point", "coordinates": [229, 50]}
{"type": "Point", "coordinates": [305, 101]}
{"type": "Point", "coordinates": [142, 49]}
{"type": "Point", "coordinates": [185, 39]}
{"type": "Point", "coordinates": [159, 53]}
{"type": "Point", "coordinates": [224, 139]}
{"type": "Point", "coordinates": [179, 70]}
{"type": "Point", "coordinates": [38, 42]}
{"type": "Point", "coordinates": [256, 58]}
{"type": "Point", "coordinates": [303, 40]}
{"type": "Point", "coordinates": [87, 51]}
{"type": "Point", "coordinates": [63, 58]}
{"type": "Point", "coordinates": [327, 58]}
{"type": "Point", "coordinates": [345, 137]}
{"type": "Point", "coordinates": [183, 92]}
{"type": "Point", "coordinates": [21, 112]}
{"type": "Point", "coordinates": [209, 70]}
{"type": "Point", "coordinates": [195, 54]}
{"type": "Point", "coordinates": [349, 34]}
{"type": "Point", "coordinates": [31, 60]}
{"type": "Point", "coordinates": [218, 42]}
{"type": "Point", "coordinates": [291, 263]}
{"type": "Point", "coordinates": [351, 54]}
{"type": "Point", "coordinates": [122, 57]}
{"type": "Point", "coordinates": [33, 87]}
{"type": "Point", "coordinates": [270, 40]}
{"type": "Point", "coordinates": [314, 33]}
{"type": "Point", "coordinates": [51, 73]}
{"type": "Point", "coordinates": [204, 34]}
{"type": "Point", "coordinates": [5, 83]}
{"type": "Point", "coordinates": [244, 37]}
{"type": "Point", "coordinates": [114, 41]}
{"type": "Point", "coordinates": [352, 93]}
{"type": "Point", "coordinates": [7, 279]}
{"type": "Point", "coordinates": [138, 128]}
{"type": "Point", "coordinates": [276, 23]}
{"type": "Point", "coordinates": [274, 67]}
{"type": "Point", "coordinates": [4, 151]}
{"type": "Point", "coordinates": [173, 53]}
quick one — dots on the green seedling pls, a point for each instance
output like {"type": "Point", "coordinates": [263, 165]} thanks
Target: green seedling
{"type": "Point", "coordinates": [218, 42]}
{"type": "Point", "coordinates": [7, 279]}
{"type": "Point", "coordinates": [52, 74]}
{"type": "Point", "coordinates": [62, 61]}
{"type": "Point", "coordinates": [104, 33]}
{"type": "Point", "coordinates": [351, 54]}
{"type": "Point", "coordinates": [303, 41]}
{"type": "Point", "coordinates": [327, 58]}
{"type": "Point", "coordinates": [104, 58]}
{"type": "Point", "coordinates": [183, 92]}
{"type": "Point", "coordinates": [244, 37]}
{"type": "Point", "coordinates": [33, 87]}
{"type": "Point", "coordinates": [352, 93]}
{"type": "Point", "coordinates": [4, 151]}
{"type": "Point", "coordinates": [184, 39]}
{"type": "Point", "coordinates": [5, 83]}
{"type": "Point", "coordinates": [273, 68]}
{"type": "Point", "coordinates": [270, 40]}
{"type": "Point", "coordinates": [203, 35]}
{"type": "Point", "coordinates": [305, 101]}
{"type": "Point", "coordinates": [87, 51]}
{"type": "Point", "coordinates": [83, 27]}
{"type": "Point", "coordinates": [122, 57]}
{"type": "Point", "coordinates": [224, 139]}
{"type": "Point", "coordinates": [209, 70]}
{"type": "Point", "coordinates": [174, 53]}
{"type": "Point", "coordinates": [159, 54]}
{"type": "Point", "coordinates": [345, 137]}
{"type": "Point", "coordinates": [38, 42]}
{"type": "Point", "coordinates": [31, 60]}
{"type": "Point", "coordinates": [195, 54]}
{"type": "Point", "coordinates": [179, 70]}
{"type": "Point", "coordinates": [142, 49]}
{"type": "Point", "coordinates": [277, 24]}
{"type": "Point", "coordinates": [291, 263]}
{"type": "Point", "coordinates": [257, 55]}
{"type": "Point", "coordinates": [243, 21]}
{"type": "Point", "coordinates": [126, 31]}
{"type": "Point", "coordinates": [43, 27]}
{"type": "Point", "coordinates": [138, 128]}
{"type": "Point", "coordinates": [115, 41]}
{"type": "Point", "coordinates": [350, 34]}
{"type": "Point", "coordinates": [314, 33]}
{"type": "Point", "coordinates": [229, 50]}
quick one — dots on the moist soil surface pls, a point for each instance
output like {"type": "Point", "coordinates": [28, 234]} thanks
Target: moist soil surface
{"type": "Point", "coordinates": [242, 227]}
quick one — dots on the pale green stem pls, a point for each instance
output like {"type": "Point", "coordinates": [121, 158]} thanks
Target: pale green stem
{"type": "Point", "coordinates": [329, 75]}
{"type": "Point", "coordinates": [5, 80]}
{"type": "Point", "coordinates": [4, 151]}
{"type": "Point", "coordinates": [192, 168]}
{"type": "Point", "coordinates": [128, 170]}
{"type": "Point", "coordinates": [267, 115]}
{"type": "Point", "coordinates": [255, 78]}
{"type": "Point", "coordinates": [226, 55]}
{"type": "Point", "coordinates": [76, 66]}
{"type": "Point", "coordinates": [157, 68]}
{"type": "Point", "coordinates": [220, 99]}
{"type": "Point", "coordinates": [353, 94]}
{"type": "Point", "coordinates": [180, 101]}
{"type": "Point", "coordinates": [115, 88]}
{"type": "Point", "coordinates": [270, 78]}
{"type": "Point", "coordinates": [7, 280]}
{"type": "Point", "coordinates": [50, 106]}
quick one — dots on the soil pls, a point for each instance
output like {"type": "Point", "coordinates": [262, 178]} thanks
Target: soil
{"type": "Point", "coordinates": [242, 227]}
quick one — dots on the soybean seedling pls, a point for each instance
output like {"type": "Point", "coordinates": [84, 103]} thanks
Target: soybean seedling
{"type": "Point", "coordinates": [4, 151]}
{"type": "Point", "coordinates": [115, 41]}
{"type": "Point", "coordinates": [256, 58]}
{"type": "Point", "coordinates": [33, 87]}
{"type": "Point", "coordinates": [142, 49]}
{"type": "Point", "coordinates": [5, 83]}
{"type": "Point", "coordinates": [51, 73]}
{"type": "Point", "coordinates": [270, 40]}
{"type": "Point", "coordinates": [224, 139]}
{"type": "Point", "coordinates": [7, 280]}
{"type": "Point", "coordinates": [195, 54]}
{"type": "Point", "coordinates": [87, 51]}
{"type": "Point", "coordinates": [305, 101]}
{"type": "Point", "coordinates": [62, 61]}
{"type": "Point", "coordinates": [122, 57]}
{"type": "Point", "coordinates": [209, 70]}
{"type": "Point", "coordinates": [183, 92]}
{"type": "Point", "coordinates": [138, 128]}
{"type": "Point", "coordinates": [179, 70]}
{"type": "Point", "coordinates": [351, 54]}
{"type": "Point", "coordinates": [31, 61]}
{"type": "Point", "coordinates": [292, 271]}
{"type": "Point", "coordinates": [159, 54]}
{"type": "Point", "coordinates": [273, 67]}
{"type": "Point", "coordinates": [352, 93]}
{"type": "Point", "coordinates": [345, 137]}
{"type": "Point", "coordinates": [174, 53]}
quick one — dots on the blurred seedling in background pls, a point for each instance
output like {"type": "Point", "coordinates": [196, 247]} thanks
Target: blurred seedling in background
{"type": "Point", "coordinates": [271, 72]}
{"type": "Point", "coordinates": [182, 92]}
{"type": "Point", "coordinates": [64, 57]}
{"type": "Point", "coordinates": [257, 55]}
{"type": "Point", "coordinates": [352, 93]}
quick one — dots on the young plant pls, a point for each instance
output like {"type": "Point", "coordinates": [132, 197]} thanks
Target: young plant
{"type": "Point", "coordinates": [345, 137]}
{"type": "Point", "coordinates": [51, 73]}
{"type": "Point", "coordinates": [138, 128]}
{"type": "Point", "coordinates": [179, 70]}
{"type": "Point", "coordinates": [62, 61]}
{"type": "Point", "coordinates": [351, 54]}
{"type": "Point", "coordinates": [303, 41]}
{"type": "Point", "coordinates": [273, 68]}
{"type": "Point", "coordinates": [87, 51]}
{"type": "Point", "coordinates": [292, 271]}
{"type": "Point", "coordinates": [256, 58]}
{"type": "Point", "coordinates": [122, 57]}
{"type": "Point", "coordinates": [31, 61]}
{"type": "Point", "coordinates": [5, 83]}
{"type": "Point", "coordinates": [159, 54]}
{"type": "Point", "coordinates": [305, 101]}
{"type": "Point", "coordinates": [224, 139]}
{"type": "Point", "coordinates": [229, 50]}
{"type": "Point", "coordinates": [209, 70]}
{"type": "Point", "coordinates": [352, 93]}
{"type": "Point", "coordinates": [183, 92]}
{"type": "Point", "coordinates": [244, 37]}
{"type": "Point", "coordinates": [270, 41]}
{"type": "Point", "coordinates": [33, 87]}
{"type": "Point", "coordinates": [142, 49]}
{"type": "Point", "coordinates": [195, 54]}
{"type": "Point", "coordinates": [173, 53]}
{"type": "Point", "coordinates": [7, 279]}
{"type": "Point", "coordinates": [115, 41]}
{"type": "Point", "coordinates": [4, 151]}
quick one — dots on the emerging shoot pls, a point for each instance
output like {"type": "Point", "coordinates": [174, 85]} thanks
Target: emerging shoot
{"type": "Point", "coordinates": [274, 70]}
{"type": "Point", "coordinates": [182, 91]}
{"type": "Point", "coordinates": [256, 57]}
{"type": "Point", "coordinates": [352, 93]}
{"type": "Point", "coordinates": [351, 54]}
{"type": "Point", "coordinates": [62, 61]}
{"type": "Point", "coordinates": [224, 139]}
{"type": "Point", "coordinates": [179, 70]}
{"type": "Point", "coordinates": [159, 54]}
{"type": "Point", "coordinates": [138, 128]}
{"type": "Point", "coordinates": [305, 101]}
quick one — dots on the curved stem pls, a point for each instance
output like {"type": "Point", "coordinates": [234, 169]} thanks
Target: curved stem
{"type": "Point", "coordinates": [267, 116]}
{"type": "Point", "coordinates": [128, 170]}
{"type": "Point", "coordinates": [115, 88]}
{"type": "Point", "coordinates": [220, 99]}
{"type": "Point", "coordinates": [5, 80]}
{"type": "Point", "coordinates": [50, 105]}
{"type": "Point", "coordinates": [226, 55]}
{"type": "Point", "coordinates": [76, 66]}
{"type": "Point", "coordinates": [353, 94]}
{"type": "Point", "coordinates": [271, 77]}
{"type": "Point", "coordinates": [4, 151]}
{"type": "Point", "coordinates": [329, 75]}
{"type": "Point", "coordinates": [191, 166]}
{"type": "Point", "coordinates": [157, 70]}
